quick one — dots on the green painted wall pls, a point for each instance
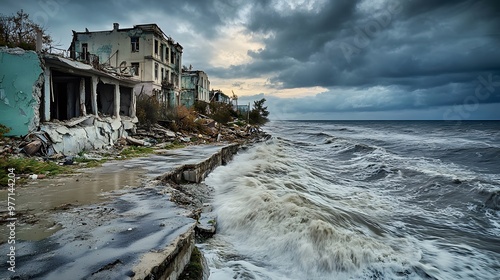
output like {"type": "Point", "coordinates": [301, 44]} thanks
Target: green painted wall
{"type": "Point", "coordinates": [19, 72]}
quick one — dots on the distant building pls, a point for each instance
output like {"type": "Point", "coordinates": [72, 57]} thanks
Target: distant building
{"type": "Point", "coordinates": [195, 87]}
{"type": "Point", "coordinates": [144, 53]}
{"type": "Point", "coordinates": [243, 109]}
{"type": "Point", "coordinates": [218, 96]}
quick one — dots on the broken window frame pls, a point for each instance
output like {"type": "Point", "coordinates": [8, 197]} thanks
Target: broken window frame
{"type": "Point", "coordinates": [134, 42]}
{"type": "Point", "coordinates": [156, 47]}
{"type": "Point", "coordinates": [85, 51]}
{"type": "Point", "coordinates": [156, 70]}
{"type": "Point", "coordinates": [105, 99]}
{"type": "Point", "coordinates": [162, 52]}
{"type": "Point", "coordinates": [126, 101]}
{"type": "Point", "coordinates": [136, 67]}
{"type": "Point", "coordinates": [65, 96]}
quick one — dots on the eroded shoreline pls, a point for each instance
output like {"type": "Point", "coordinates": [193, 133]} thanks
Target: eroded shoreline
{"type": "Point", "coordinates": [95, 240]}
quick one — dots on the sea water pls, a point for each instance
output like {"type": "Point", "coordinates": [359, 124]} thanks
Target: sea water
{"type": "Point", "coordinates": [360, 200]}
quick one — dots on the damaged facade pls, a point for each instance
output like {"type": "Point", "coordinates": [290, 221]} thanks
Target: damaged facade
{"type": "Point", "coordinates": [195, 87]}
{"type": "Point", "coordinates": [21, 80]}
{"type": "Point", "coordinates": [77, 106]}
{"type": "Point", "coordinates": [143, 53]}
{"type": "Point", "coordinates": [85, 98]}
{"type": "Point", "coordinates": [219, 96]}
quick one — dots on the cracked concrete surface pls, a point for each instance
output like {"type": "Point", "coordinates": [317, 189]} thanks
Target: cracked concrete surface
{"type": "Point", "coordinates": [112, 222]}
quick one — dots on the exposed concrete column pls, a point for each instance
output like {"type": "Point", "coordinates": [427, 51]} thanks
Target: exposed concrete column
{"type": "Point", "coordinates": [93, 94]}
{"type": "Point", "coordinates": [133, 105]}
{"type": "Point", "coordinates": [47, 94]}
{"type": "Point", "coordinates": [117, 100]}
{"type": "Point", "coordinates": [83, 110]}
{"type": "Point", "coordinates": [179, 78]}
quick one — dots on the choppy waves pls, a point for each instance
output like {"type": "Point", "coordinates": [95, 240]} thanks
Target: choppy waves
{"type": "Point", "coordinates": [327, 206]}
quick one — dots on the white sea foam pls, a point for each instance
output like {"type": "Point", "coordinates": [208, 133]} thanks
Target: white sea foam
{"type": "Point", "coordinates": [345, 210]}
{"type": "Point", "coordinates": [274, 224]}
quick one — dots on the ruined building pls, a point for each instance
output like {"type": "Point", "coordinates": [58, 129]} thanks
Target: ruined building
{"type": "Point", "coordinates": [85, 98]}
{"type": "Point", "coordinates": [217, 95]}
{"type": "Point", "coordinates": [69, 105]}
{"type": "Point", "coordinates": [195, 87]}
{"type": "Point", "coordinates": [144, 52]}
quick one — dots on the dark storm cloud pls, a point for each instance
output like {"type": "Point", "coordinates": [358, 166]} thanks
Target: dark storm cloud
{"type": "Point", "coordinates": [62, 16]}
{"type": "Point", "coordinates": [423, 53]}
{"type": "Point", "coordinates": [367, 47]}
{"type": "Point", "coordinates": [429, 53]}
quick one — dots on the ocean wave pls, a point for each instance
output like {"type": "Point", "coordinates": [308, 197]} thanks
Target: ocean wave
{"type": "Point", "coordinates": [324, 205]}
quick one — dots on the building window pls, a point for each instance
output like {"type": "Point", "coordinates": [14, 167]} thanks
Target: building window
{"type": "Point", "coordinates": [172, 57]}
{"type": "Point", "coordinates": [135, 68]}
{"type": "Point", "coordinates": [85, 51]}
{"type": "Point", "coordinates": [134, 41]}
{"type": "Point", "coordinates": [162, 52]}
{"type": "Point", "coordinates": [167, 51]}
{"type": "Point", "coordinates": [162, 73]}
{"type": "Point", "coordinates": [156, 71]}
{"type": "Point", "coordinates": [156, 47]}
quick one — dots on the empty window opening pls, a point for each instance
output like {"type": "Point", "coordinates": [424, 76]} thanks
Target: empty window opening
{"type": "Point", "coordinates": [134, 41]}
{"type": "Point", "coordinates": [105, 98]}
{"type": "Point", "coordinates": [162, 52]}
{"type": "Point", "coordinates": [64, 96]}
{"type": "Point", "coordinates": [85, 52]}
{"type": "Point", "coordinates": [156, 47]}
{"type": "Point", "coordinates": [125, 101]}
{"type": "Point", "coordinates": [156, 71]}
{"type": "Point", "coordinates": [135, 68]}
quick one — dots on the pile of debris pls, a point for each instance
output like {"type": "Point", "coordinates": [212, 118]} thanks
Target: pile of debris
{"type": "Point", "coordinates": [213, 132]}
{"type": "Point", "coordinates": [39, 144]}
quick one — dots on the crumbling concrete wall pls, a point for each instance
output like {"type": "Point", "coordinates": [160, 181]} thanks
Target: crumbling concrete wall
{"type": "Point", "coordinates": [87, 133]}
{"type": "Point", "coordinates": [169, 262]}
{"type": "Point", "coordinates": [195, 173]}
{"type": "Point", "coordinates": [21, 82]}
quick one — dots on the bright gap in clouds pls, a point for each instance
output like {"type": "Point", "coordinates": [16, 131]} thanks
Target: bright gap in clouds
{"type": "Point", "coordinates": [232, 47]}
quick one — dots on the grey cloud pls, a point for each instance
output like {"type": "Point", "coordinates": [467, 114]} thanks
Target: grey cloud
{"type": "Point", "coordinates": [426, 53]}
{"type": "Point", "coordinates": [460, 97]}
{"type": "Point", "coordinates": [406, 48]}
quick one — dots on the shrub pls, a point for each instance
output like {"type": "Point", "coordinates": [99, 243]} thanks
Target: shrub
{"type": "Point", "coordinates": [201, 107]}
{"type": "Point", "coordinates": [222, 112]}
{"type": "Point", "coordinates": [185, 119]}
{"type": "Point", "coordinates": [149, 110]}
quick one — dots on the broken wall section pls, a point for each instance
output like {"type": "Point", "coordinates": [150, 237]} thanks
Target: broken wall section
{"type": "Point", "coordinates": [87, 133]}
{"type": "Point", "coordinates": [21, 82]}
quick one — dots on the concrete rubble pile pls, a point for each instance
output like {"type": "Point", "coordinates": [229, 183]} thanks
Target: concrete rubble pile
{"type": "Point", "coordinates": [62, 141]}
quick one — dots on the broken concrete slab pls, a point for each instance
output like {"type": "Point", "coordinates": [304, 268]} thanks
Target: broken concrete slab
{"type": "Point", "coordinates": [207, 224]}
{"type": "Point", "coordinates": [102, 132]}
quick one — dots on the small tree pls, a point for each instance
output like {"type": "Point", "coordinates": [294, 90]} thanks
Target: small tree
{"type": "Point", "coordinates": [20, 31]}
{"type": "Point", "coordinates": [258, 114]}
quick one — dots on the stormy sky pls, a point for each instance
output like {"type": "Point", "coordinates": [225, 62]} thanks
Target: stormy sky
{"type": "Point", "coordinates": [323, 59]}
